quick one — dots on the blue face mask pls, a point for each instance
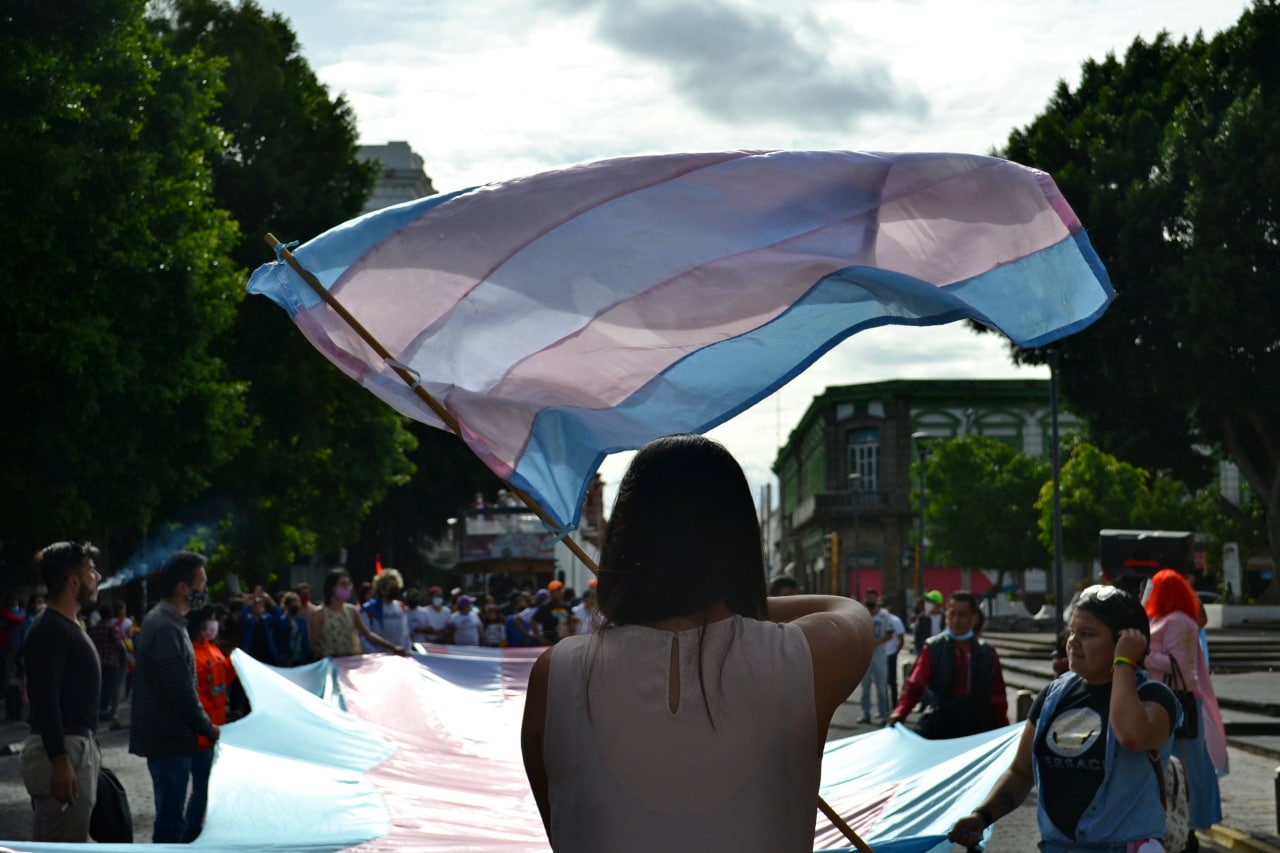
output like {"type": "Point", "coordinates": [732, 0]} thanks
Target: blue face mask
{"type": "Point", "coordinates": [196, 599]}
{"type": "Point", "coordinates": [968, 635]}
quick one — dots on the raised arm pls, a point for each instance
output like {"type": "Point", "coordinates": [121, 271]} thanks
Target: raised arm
{"type": "Point", "coordinates": [1137, 725]}
{"type": "Point", "coordinates": [841, 643]}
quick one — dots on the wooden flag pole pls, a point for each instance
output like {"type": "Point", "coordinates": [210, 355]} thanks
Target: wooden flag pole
{"type": "Point", "coordinates": [412, 381]}
{"type": "Point", "coordinates": [451, 422]}
{"type": "Point", "coordinates": [840, 824]}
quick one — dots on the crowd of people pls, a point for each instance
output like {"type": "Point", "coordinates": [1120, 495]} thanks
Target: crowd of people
{"type": "Point", "coordinates": [729, 689]}
{"type": "Point", "coordinates": [73, 660]}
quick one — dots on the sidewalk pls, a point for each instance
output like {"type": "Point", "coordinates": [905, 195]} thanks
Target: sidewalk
{"type": "Point", "coordinates": [12, 734]}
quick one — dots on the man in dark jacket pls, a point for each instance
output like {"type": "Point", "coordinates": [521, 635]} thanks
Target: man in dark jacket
{"type": "Point", "coordinates": [962, 677]}
{"type": "Point", "coordinates": [167, 715]}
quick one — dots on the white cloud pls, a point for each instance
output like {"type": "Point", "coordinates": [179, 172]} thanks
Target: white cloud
{"type": "Point", "coordinates": [487, 90]}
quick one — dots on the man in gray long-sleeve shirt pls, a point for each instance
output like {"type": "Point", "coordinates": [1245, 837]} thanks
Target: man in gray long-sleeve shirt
{"type": "Point", "coordinates": [167, 715]}
{"type": "Point", "coordinates": [60, 759]}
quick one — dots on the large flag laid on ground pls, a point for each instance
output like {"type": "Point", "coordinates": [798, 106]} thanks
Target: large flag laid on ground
{"type": "Point", "coordinates": [383, 753]}
{"type": "Point", "coordinates": [583, 311]}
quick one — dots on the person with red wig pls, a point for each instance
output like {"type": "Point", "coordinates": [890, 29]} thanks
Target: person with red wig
{"type": "Point", "coordinates": [1173, 607]}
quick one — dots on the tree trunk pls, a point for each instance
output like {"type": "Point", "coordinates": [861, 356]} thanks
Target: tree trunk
{"type": "Point", "coordinates": [1261, 470]}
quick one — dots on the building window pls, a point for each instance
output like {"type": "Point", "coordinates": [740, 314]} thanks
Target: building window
{"type": "Point", "coordinates": [1005, 427]}
{"type": "Point", "coordinates": [864, 459]}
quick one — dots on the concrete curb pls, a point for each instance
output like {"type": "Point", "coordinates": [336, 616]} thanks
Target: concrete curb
{"type": "Point", "coordinates": [1231, 838]}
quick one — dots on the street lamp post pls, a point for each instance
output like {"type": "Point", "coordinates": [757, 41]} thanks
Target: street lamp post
{"type": "Point", "coordinates": [855, 496]}
{"type": "Point", "coordinates": [1059, 582]}
{"type": "Point", "coordinates": [922, 451]}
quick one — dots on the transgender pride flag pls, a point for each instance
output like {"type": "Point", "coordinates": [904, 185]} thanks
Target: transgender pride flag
{"type": "Point", "coordinates": [583, 311]}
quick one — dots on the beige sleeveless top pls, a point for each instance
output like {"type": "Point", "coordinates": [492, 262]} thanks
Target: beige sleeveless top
{"type": "Point", "coordinates": [338, 632]}
{"type": "Point", "coordinates": [628, 773]}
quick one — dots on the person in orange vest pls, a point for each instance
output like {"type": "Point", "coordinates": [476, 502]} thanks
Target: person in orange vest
{"type": "Point", "coordinates": [214, 675]}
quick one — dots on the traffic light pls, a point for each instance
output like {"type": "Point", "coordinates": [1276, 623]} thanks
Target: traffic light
{"type": "Point", "coordinates": [833, 559]}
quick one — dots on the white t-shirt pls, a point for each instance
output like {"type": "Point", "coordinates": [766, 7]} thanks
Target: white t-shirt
{"type": "Point", "coordinates": [880, 627]}
{"type": "Point", "coordinates": [891, 647]}
{"type": "Point", "coordinates": [430, 621]}
{"type": "Point", "coordinates": [466, 628]}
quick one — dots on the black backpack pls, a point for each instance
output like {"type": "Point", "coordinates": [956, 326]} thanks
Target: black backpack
{"type": "Point", "coordinates": [111, 821]}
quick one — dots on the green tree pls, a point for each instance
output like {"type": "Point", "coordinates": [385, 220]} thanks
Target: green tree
{"type": "Point", "coordinates": [1102, 492]}
{"type": "Point", "coordinates": [1169, 157]}
{"type": "Point", "coordinates": [324, 451]}
{"type": "Point", "coordinates": [980, 510]}
{"type": "Point", "coordinates": [1098, 492]}
{"type": "Point", "coordinates": [117, 277]}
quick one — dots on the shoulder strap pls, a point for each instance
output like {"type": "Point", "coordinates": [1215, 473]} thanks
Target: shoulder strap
{"type": "Point", "coordinates": [1154, 757]}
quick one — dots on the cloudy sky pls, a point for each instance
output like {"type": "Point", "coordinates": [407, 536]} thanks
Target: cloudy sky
{"type": "Point", "coordinates": [486, 90]}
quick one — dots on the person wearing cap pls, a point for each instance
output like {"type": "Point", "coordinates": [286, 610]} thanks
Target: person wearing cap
{"type": "Point", "coordinates": [428, 624]}
{"type": "Point", "coordinates": [696, 717]}
{"type": "Point", "coordinates": [554, 616]}
{"type": "Point", "coordinates": [959, 678]}
{"type": "Point", "coordinates": [1086, 741]}
{"type": "Point", "coordinates": [464, 623]}
{"type": "Point", "coordinates": [930, 622]}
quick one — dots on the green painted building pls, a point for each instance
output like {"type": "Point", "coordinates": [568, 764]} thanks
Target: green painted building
{"type": "Point", "coordinates": [846, 470]}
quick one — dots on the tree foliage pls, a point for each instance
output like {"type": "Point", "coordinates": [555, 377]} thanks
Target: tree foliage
{"type": "Point", "coordinates": [1169, 157]}
{"type": "Point", "coordinates": [117, 277]}
{"type": "Point", "coordinates": [324, 451]}
{"type": "Point", "coordinates": [980, 504]}
{"type": "Point", "coordinates": [1099, 492]}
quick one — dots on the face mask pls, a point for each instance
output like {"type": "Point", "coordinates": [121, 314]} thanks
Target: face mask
{"type": "Point", "coordinates": [15, 609]}
{"type": "Point", "coordinates": [342, 593]}
{"type": "Point", "coordinates": [305, 598]}
{"type": "Point", "coordinates": [437, 601]}
{"type": "Point", "coordinates": [40, 607]}
{"type": "Point", "coordinates": [210, 630]}
{"type": "Point", "coordinates": [968, 635]}
{"type": "Point", "coordinates": [873, 605]}
{"type": "Point", "coordinates": [293, 609]}
{"type": "Point", "coordinates": [196, 599]}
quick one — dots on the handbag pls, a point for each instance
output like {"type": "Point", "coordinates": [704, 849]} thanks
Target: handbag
{"type": "Point", "coordinates": [1190, 708]}
{"type": "Point", "coordinates": [1175, 797]}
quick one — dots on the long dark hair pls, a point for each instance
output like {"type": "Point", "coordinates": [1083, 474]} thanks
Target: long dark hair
{"type": "Point", "coordinates": [683, 536]}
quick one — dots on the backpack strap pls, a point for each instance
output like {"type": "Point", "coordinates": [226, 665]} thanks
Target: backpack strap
{"type": "Point", "coordinates": [1154, 757]}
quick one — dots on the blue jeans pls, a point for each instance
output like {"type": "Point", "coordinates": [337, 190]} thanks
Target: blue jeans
{"type": "Point", "coordinates": [875, 678]}
{"type": "Point", "coordinates": [169, 776]}
{"type": "Point", "coordinates": [201, 766]}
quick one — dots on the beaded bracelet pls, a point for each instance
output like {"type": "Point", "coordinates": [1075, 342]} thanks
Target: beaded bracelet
{"type": "Point", "coordinates": [1124, 661]}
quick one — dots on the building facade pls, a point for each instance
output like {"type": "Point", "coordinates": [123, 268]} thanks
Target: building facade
{"type": "Point", "coordinates": [846, 472]}
{"type": "Point", "coordinates": [401, 177]}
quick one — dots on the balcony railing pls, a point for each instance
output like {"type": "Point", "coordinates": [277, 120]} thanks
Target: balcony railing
{"type": "Point", "coordinates": [824, 506]}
